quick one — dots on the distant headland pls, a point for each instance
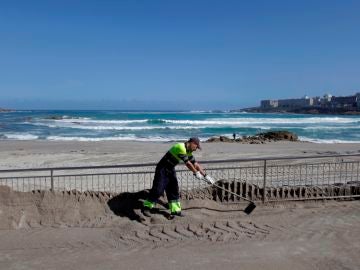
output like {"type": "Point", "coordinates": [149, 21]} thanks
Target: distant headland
{"type": "Point", "coordinates": [5, 110]}
{"type": "Point", "coordinates": [327, 104]}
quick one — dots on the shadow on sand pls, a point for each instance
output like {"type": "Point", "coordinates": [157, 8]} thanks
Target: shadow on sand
{"type": "Point", "coordinates": [129, 205]}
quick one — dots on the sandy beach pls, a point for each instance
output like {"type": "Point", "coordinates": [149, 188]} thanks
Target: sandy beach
{"type": "Point", "coordinates": [44, 154]}
{"type": "Point", "coordinates": [45, 230]}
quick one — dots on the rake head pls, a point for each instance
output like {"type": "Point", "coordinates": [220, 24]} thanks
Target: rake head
{"type": "Point", "coordinates": [250, 208]}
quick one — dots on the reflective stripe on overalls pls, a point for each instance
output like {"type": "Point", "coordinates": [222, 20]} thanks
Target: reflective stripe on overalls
{"type": "Point", "coordinates": [149, 204]}
{"type": "Point", "coordinates": [175, 206]}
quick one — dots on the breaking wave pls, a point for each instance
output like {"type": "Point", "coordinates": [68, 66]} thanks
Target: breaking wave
{"type": "Point", "coordinates": [168, 126]}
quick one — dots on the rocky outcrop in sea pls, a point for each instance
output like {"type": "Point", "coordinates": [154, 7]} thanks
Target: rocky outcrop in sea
{"type": "Point", "coordinates": [6, 110]}
{"type": "Point", "coordinates": [271, 136]}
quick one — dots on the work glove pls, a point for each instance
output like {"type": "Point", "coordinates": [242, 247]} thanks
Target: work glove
{"type": "Point", "coordinates": [209, 179]}
{"type": "Point", "coordinates": [198, 175]}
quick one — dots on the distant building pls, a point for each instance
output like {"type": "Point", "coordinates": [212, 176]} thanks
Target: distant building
{"type": "Point", "coordinates": [317, 101]}
{"type": "Point", "coordinates": [295, 102]}
{"type": "Point", "coordinates": [327, 97]}
{"type": "Point", "coordinates": [287, 103]}
{"type": "Point", "coordinates": [327, 101]}
{"type": "Point", "coordinates": [344, 102]}
{"type": "Point", "coordinates": [266, 104]}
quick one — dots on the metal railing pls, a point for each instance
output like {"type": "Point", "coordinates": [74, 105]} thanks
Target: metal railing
{"type": "Point", "coordinates": [259, 179]}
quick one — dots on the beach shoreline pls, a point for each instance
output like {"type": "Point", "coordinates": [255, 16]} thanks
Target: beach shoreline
{"type": "Point", "coordinates": [44, 154]}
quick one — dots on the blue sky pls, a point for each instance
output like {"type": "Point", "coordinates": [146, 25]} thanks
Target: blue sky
{"type": "Point", "coordinates": [175, 54]}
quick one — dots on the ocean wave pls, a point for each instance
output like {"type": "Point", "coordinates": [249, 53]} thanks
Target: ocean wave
{"type": "Point", "coordinates": [114, 138]}
{"type": "Point", "coordinates": [64, 117]}
{"type": "Point", "coordinates": [326, 141]}
{"type": "Point", "coordinates": [200, 111]}
{"type": "Point", "coordinates": [127, 128]}
{"type": "Point", "coordinates": [85, 120]}
{"type": "Point", "coordinates": [172, 126]}
{"type": "Point", "coordinates": [182, 126]}
{"type": "Point", "coordinates": [242, 121]}
{"type": "Point", "coordinates": [20, 137]}
{"type": "Point", "coordinates": [330, 127]}
{"type": "Point", "coordinates": [75, 117]}
{"type": "Point", "coordinates": [214, 121]}
{"type": "Point", "coordinates": [20, 111]}
{"type": "Point", "coordinates": [216, 111]}
{"type": "Point", "coordinates": [156, 121]}
{"type": "Point", "coordinates": [115, 127]}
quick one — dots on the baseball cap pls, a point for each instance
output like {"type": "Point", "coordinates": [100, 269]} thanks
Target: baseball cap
{"type": "Point", "coordinates": [195, 140]}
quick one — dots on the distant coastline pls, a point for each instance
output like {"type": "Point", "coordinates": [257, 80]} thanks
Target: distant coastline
{"type": "Point", "coordinates": [305, 110]}
{"type": "Point", "coordinates": [328, 104]}
{"type": "Point", "coordinates": [6, 110]}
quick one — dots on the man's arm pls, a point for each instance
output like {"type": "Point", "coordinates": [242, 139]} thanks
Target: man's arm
{"type": "Point", "coordinates": [191, 166]}
{"type": "Point", "coordinates": [195, 167]}
{"type": "Point", "coordinates": [199, 168]}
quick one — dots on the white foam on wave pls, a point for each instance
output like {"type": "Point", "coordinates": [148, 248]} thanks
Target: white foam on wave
{"type": "Point", "coordinates": [264, 123]}
{"type": "Point", "coordinates": [19, 111]}
{"type": "Point", "coordinates": [247, 121]}
{"type": "Point", "coordinates": [115, 138]}
{"type": "Point", "coordinates": [67, 117]}
{"type": "Point", "coordinates": [21, 137]}
{"type": "Point", "coordinates": [75, 125]}
{"type": "Point", "coordinates": [200, 111]}
{"type": "Point", "coordinates": [326, 141]}
{"type": "Point", "coordinates": [317, 127]}
{"type": "Point", "coordinates": [219, 121]}
{"type": "Point", "coordinates": [79, 126]}
{"type": "Point", "coordinates": [92, 121]}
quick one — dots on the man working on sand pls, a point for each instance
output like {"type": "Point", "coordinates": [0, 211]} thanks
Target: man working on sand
{"type": "Point", "coordinates": [165, 176]}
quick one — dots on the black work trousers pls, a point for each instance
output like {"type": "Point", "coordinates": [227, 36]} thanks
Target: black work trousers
{"type": "Point", "coordinates": [164, 180]}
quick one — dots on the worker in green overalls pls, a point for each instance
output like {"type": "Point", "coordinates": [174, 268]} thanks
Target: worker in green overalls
{"type": "Point", "coordinates": [165, 176]}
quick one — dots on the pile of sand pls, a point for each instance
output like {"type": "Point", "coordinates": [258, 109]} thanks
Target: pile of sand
{"type": "Point", "coordinates": [33, 209]}
{"type": "Point", "coordinates": [96, 230]}
{"type": "Point", "coordinates": [81, 209]}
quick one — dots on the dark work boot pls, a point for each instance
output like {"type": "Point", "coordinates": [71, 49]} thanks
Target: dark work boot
{"type": "Point", "coordinates": [177, 214]}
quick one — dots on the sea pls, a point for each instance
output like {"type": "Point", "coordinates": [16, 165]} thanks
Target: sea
{"type": "Point", "coordinates": [164, 126]}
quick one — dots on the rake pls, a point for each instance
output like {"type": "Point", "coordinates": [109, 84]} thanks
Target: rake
{"type": "Point", "coordinates": [248, 208]}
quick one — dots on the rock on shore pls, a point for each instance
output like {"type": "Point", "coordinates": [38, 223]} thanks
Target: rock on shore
{"type": "Point", "coordinates": [259, 138]}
